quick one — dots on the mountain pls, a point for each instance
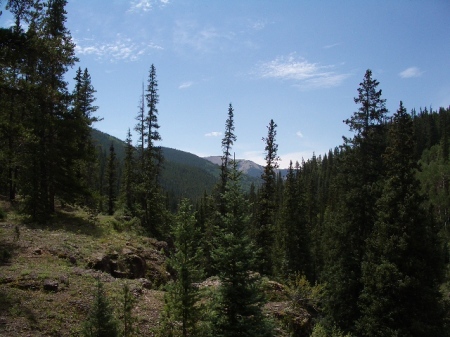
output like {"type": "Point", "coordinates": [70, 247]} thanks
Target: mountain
{"type": "Point", "coordinates": [184, 174]}
{"type": "Point", "coordinates": [247, 167]}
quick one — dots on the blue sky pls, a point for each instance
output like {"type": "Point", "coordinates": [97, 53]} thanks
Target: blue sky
{"type": "Point", "coordinates": [297, 62]}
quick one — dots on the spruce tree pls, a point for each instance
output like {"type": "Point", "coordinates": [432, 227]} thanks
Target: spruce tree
{"type": "Point", "coordinates": [148, 191]}
{"type": "Point", "coordinates": [237, 307]}
{"type": "Point", "coordinates": [182, 313]}
{"type": "Point", "coordinates": [402, 264]}
{"type": "Point", "coordinates": [351, 220]}
{"type": "Point", "coordinates": [128, 177]}
{"type": "Point", "coordinates": [100, 321]}
{"type": "Point", "coordinates": [128, 320]}
{"type": "Point", "coordinates": [292, 242]}
{"type": "Point", "coordinates": [227, 143]}
{"type": "Point", "coordinates": [111, 176]}
{"type": "Point", "coordinates": [264, 223]}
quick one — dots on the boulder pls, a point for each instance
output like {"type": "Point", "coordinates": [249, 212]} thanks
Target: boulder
{"type": "Point", "coordinates": [50, 285]}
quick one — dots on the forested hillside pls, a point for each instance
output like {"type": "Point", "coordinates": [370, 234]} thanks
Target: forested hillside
{"type": "Point", "coordinates": [352, 242]}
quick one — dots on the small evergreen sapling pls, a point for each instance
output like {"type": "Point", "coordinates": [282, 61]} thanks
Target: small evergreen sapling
{"type": "Point", "coordinates": [101, 321]}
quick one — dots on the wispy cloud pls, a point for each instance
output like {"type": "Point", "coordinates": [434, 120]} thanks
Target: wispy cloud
{"type": "Point", "coordinates": [411, 72]}
{"type": "Point", "coordinates": [189, 35]}
{"type": "Point", "coordinates": [306, 75]}
{"type": "Point", "coordinates": [329, 46]}
{"type": "Point", "coordinates": [121, 49]}
{"type": "Point", "coordinates": [258, 25]}
{"type": "Point", "coordinates": [299, 134]}
{"type": "Point", "coordinates": [185, 85]}
{"type": "Point", "coordinates": [143, 6]}
{"type": "Point", "coordinates": [213, 134]}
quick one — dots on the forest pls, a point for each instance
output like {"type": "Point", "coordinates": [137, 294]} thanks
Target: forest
{"type": "Point", "coordinates": [359, 235]}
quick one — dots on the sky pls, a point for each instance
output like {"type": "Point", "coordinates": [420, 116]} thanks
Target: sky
{"type": "Point", "coordinates": [296, 62]}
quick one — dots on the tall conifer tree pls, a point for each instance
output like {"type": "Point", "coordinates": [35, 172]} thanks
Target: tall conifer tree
{"type": "Point", "coordinates": [238, 305]}
{"type": "Point", "coordinates": [264, 224]}
{"type": "Point", "coordinates": [402, 265]}
{"type": "Point", "coordinates": [359, 186]}
{"type": "Point", "coordinates": [111, 176]}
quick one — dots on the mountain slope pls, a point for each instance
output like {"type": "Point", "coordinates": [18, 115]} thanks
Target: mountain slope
{"type": "Point", "coordinates": [184, 174]}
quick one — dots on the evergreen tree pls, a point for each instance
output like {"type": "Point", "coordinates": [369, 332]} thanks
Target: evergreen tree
{"type": "Point", "coordinates": [79, 126]}
{"type": "Point", "coordinates": [350, 223]}
{"type": "Point", "coordinates": [141, 129]}
{"type": "Point", "coordinates": [239, 299]}
{"type": "Point", "coordinates": [127, 188]}
{"type": "Point", "coordinates": [264, 225]}
{"type": "Point", "coordinates": [111, 174]}
{"type": "Point", "coordinates": [227, 142]}
{"type": "Point", "coordinates": [128, 320]}
{"type": "Point", "coordinates": [182, 313]}
{"type": "Point", "coordinates": [101, 321]}
{"type": "Point", "coordinates": [402, 265]}
{"type": "Point", "coordinates": [292, 242]}
{"type": "Point", "coordinates": [148, 189]}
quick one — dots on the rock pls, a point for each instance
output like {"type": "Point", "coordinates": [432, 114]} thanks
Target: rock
{"type": "Point", "coordinates": [137, 266]}
{"type": "Point", "coordinates": [73, 260]}
{"type": "Point", "coordinates": [126, 251]}
{"type": "Point", "coordinates": [101, 262]}
{"type": "Point", "coordinates": [50, 285]}
{"type": "Point", "coordinates": [145, 283]}
{"type": "Point", "coordinates": [37, 251]}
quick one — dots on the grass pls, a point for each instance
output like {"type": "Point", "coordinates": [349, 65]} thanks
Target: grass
{"type": "Point", "coordinates": [60, 251]}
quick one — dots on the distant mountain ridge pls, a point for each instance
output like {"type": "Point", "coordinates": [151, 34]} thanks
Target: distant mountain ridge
{"type": "Point", "coordinates": [247, 167]}
{"type": "Point", "coordinates": [184, 174]}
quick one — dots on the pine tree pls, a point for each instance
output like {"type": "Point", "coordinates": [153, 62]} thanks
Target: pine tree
{"type": "Point", "coordinates": [49, 163]}
{"type": "Point", "coordinates": [239, 299]}
{"type": "Point", "coordinates": [351, 222]}
{"type": "Point", "coordinates": [148, 191]}
{"type": "Point", "coordinates": [292, 241]}
{"type": "Point", "coordinates": [128, 177]}
{"type": "Point", "coordinates": [182, 314]}
{"type": "Point", "coordinates": [227, 143]}
{"type": "Point", "coordinates": [78, 127]}
{"type": "Point", "coordinates": [128, 320]}
{"type": "Point", "coordinates": [402, 265]}
{"type": "Point", "coordinates": [141, 129]}
{"type": "Point", "coordinates": [111, 174]}
{"type": "Point", "coordinates": [264, 225]}
{"type": "Point", "coordinates": [101, 321]}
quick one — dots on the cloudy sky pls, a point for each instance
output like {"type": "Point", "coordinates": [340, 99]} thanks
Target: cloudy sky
{"type": "Point", "coordinates": [297, 62]}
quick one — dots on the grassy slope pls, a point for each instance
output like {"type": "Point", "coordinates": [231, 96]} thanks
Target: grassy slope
{"type": "Point", "coordinates": [64, 252]}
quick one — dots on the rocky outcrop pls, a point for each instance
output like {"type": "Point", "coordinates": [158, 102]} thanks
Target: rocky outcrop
{"type": "Point", "coordinates": [132, 263]}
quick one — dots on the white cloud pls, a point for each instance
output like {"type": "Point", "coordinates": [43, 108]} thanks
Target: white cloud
{"type": "Point", "coordinates": [185, 85]}
{"type": "Point", "coordinates": [258, 25]}
{"type": "Point", "coordinates": [254, 156]}
{"type": "Point", "coordinates": [143, 6]}
{"type": "Point", "coordinates": [213, 134]}
{"type": "Point", "coordinates": [188, 34]}
{"type": "Point", "coordinates": [299, 134]}
{"type": "Point", "coordinates": [411, 72]}
{"type": "Point", "coordinates": [329, 46]}
{"type": "Point", "coordinates": [122, 49]}
{"type": "Point", "coordinates": [305, 74]}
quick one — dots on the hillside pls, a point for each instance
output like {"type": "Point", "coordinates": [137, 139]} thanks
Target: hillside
{"type": "Point", "coordinates": [184, 174]}
{"type": "Point", "coordinates": [48, 275]}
